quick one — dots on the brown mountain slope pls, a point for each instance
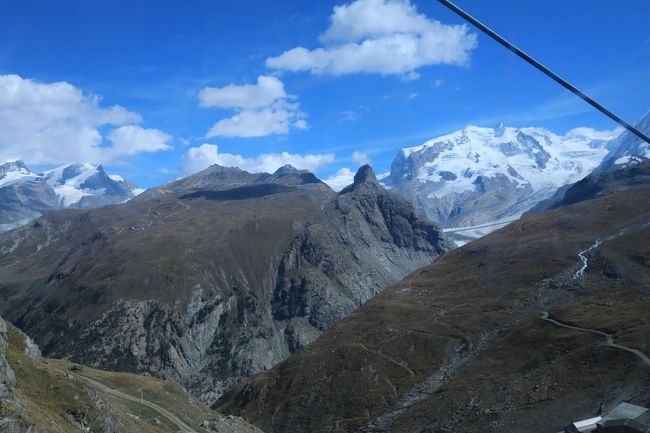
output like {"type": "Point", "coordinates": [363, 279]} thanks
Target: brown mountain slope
{"type": "Point", "coordinates": [211, 278]}
{"type": "Point", "coordinates": [461, 345]}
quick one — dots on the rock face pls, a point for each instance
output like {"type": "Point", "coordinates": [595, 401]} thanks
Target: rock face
{"type": "Point", "coordinates": [482, 175]}
{"type": "Point", "coordinates": [7, 376]}
{"type": "Point", "coordinates": [25, 195]}
{"type": "Point", "coordinates": [212, 278]}
{"type": "Point", "coordinates": [464, 345]}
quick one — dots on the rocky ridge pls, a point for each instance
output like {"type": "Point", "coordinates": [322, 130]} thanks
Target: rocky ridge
{"type": "Point", "coordinates": [212, 278]}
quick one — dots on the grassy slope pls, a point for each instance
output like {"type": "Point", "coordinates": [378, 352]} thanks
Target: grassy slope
{"type": "Point", "coordinates": [51, 396]}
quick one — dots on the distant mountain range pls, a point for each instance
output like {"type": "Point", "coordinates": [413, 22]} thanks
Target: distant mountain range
{"type": "Point", "coordinates": [25, 195]}
{"type": "Point", "coordinates": [480, 175]}
{"type": "Point", "coordinates": [223, 275]}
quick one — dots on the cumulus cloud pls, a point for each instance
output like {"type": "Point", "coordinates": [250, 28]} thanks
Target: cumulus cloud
{"type": "Point", "coordinates": [380, 36]}
{"type": "Point", "coordinates": [133, 139]}
{"type": "Point", "coordinates": [339, 180]}
{"type": "Point", "coordinates": [52, 123]}
{"type": "Point", "coordinates": [262, 109]}
{"type": "Point", "coordinates": [249, 96]}
{"type": "Point", "coordinates": [278, 118]}
{"type": "Point", "coordinates": [199, 158]}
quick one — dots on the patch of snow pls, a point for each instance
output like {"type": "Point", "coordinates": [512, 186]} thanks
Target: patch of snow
{"type": "Point", "coordinates": [623, 160]}
{"type": "Point", "coordinates": [116, 177]}
{"type": "Point", "coordinates": [69, 189]}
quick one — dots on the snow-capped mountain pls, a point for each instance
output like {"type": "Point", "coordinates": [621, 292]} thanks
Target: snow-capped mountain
{"type": "Point", "coordinates": [13, 172]}
{"type": "Point", "coordinates": [478, 176]}
{"type": "Point", "coordinates": [88, 186]}
{"type": "Point", "coordinates": [625, 150]}
{"type": "Point", "coordinates": [25, 195]}
{"type": "Point", "coordinates": [628, 148]}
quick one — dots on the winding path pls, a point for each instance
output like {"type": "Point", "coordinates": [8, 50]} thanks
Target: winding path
{"type": "Point", "coordinates": [170, 416]}
{"type": "Point", "coordinates": [610, 337]}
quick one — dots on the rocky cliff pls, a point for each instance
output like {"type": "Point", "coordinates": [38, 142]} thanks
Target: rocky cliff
{"type": "Point", "coordinates": [212, 278]}
{"type": "Point", "coordinates": [7, 376]}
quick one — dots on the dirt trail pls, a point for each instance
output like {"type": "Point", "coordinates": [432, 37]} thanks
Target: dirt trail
{"type": "Point", "coordinates": [609, 337]}
{"type": "Point", "coordinates": [170, 416]}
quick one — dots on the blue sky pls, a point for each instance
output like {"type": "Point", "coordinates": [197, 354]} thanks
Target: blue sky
{"type": "Point", "coordinates": [154, 58]}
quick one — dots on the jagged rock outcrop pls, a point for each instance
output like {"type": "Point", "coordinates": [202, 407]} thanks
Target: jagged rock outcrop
{"type": "Point", "coordinates": [211, 278]}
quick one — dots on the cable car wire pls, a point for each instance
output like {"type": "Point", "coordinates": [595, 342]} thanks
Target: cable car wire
{"type": "Point", "coordinates": [564, 83]}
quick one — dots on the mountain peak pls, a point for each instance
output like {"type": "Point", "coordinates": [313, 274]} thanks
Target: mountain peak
{"type": "Point", "coordinates": [285, 169]}
{"type": "Point", "coordinates": [15, 165]}
{"type": "Point", "coordinates": [12, 172]}
{"type": "Point", "coordinates": [365, 175]}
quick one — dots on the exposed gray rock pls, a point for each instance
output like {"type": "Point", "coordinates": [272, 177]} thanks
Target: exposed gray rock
{"type": "Point", "coordinates": [228, 424]}
{"type": "Point", "coordinates": [7, 376]}
{"type": "Point", "coordinates": [32, 350]}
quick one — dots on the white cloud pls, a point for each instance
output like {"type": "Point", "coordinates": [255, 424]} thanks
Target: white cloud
{"type": "Point", "coordinates": [52, 123]}
{"type": "Point", "coordinates": [340, 179]}
{"type": "Point", "coordinates": [264, 93]}
{"type": "Point", "coordinates": [594, 134]}
{"type": "Point", "coordinates": [133, 139]}
{"type": "Point", "coordinates": [279, 118]}
{"type": "Point", "coordinates": [380, 36]}
{"type": "Point", "coordinates": [199, 158]}
{"type": "Point", "coordinates": [263, 109]}
{"type": "Point", "coordinates": [360, 158]}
